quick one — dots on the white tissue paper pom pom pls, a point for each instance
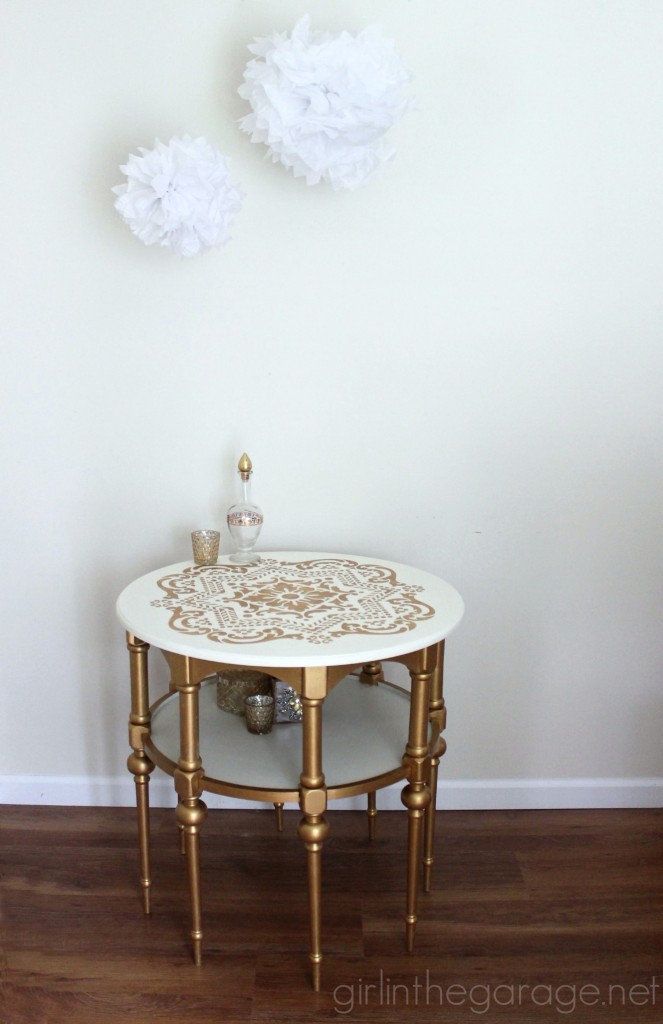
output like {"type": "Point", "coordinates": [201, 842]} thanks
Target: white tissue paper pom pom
{"type": "Point", "coordinates": [179, 195]}
{"type": "Point", "coordinates": [322, 103]}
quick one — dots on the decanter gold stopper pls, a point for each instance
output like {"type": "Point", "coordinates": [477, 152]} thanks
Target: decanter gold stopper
{"type": "Point", "coordinates": [245, 466]}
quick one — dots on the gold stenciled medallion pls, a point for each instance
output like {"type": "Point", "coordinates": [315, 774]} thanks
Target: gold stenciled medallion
{"type": "Point", "coordinates": [313, 601]}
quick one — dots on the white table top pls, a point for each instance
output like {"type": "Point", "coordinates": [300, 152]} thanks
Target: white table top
{"type": "Point", "coordinates": [291, 609]}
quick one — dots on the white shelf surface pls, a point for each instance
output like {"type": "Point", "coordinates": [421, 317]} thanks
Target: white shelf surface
{"type": "Point", "coordinates": [365, 730]}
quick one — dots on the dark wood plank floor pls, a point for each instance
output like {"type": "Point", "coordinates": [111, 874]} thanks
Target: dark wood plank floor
{"type": "Point", "coordinates": [535, 916]}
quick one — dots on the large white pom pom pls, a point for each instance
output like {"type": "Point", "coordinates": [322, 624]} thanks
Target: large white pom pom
{"type": "Point", "coordinates": [179, 195]}
{"type": "Point", "coordinates": [322, 103]}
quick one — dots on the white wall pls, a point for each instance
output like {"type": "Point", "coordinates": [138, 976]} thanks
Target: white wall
{"type": "Point", "coordinates": [458, 366]}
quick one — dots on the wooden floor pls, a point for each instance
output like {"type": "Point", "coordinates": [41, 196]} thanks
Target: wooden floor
{"type": "Point", "coordinates": [535, 916]}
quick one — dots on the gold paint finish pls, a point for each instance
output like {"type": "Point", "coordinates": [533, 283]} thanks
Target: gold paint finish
{"type": "Point", "coordinates": [191, 810]}
{"type": "Point", "coordinates": [140, 701]}
{"type": "Point", "coordinates": [139, 763]}
{"type": "Point", "coordinates": [314, 683]}
{"type": "Point", "coordinates": [372, 813]}
{"type": "Point", "coordinates": [423, 750]}
{"type": "Point", "coordinates": [416, 794]}
{"type": "Point", "coordinates": [372, 673]}
{"type": "Point", "coordinates": [245, 466]}
{"type": "Point", "coordinates": [313, 801]}
{"type": "Point", "coordinates": [313, 827]}
{"type": "Point", "coordinates": [438, 721]}
{"type": "Point", "coordinates": [313, 831]}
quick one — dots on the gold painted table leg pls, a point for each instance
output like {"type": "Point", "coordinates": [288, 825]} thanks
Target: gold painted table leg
{"type": "Point", "coordinates": [372, 673]}
{"type": "Point", "coordinates": [190, 815]}
{"type": "Point", "coordinates": [415, 803]}
{"type": "Point", "coordinates": [143, 807]}
{"type": "Point", "coordinates": [191, 810]}
{"type": "Point", "coordinates": [372, 814]}
{"type": "Point", "coordinates": [313, 830]}
{"type": "Point", "coordinates": [429, 824]}
{"type": "Point", "coordinates": [416, 794]}
{"type": "Point", "coordinates": [313, 827]}
{"type": "Point", "coordinates": [138, 763]}
{"type": "Point", "coordinates": [438, 719]}
{"type": "Point", "coordinates": [278, 807]}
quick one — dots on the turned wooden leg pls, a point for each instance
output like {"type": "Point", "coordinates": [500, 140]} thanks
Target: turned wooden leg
{"type": "Point", "coordinates": [371, 813]}
{"type": "Point", "coordinates": [138, 763]}
{"type": "Point", "coordinates": [372, 673]}
{"type": "Point", "coordinates": [313, 827]}
{"type": "Point", "coordinates": [278, 807]}
{"type": "Point", "coordinates": [438, 720]}
{"type": "Point", "coordinates": [190, 815]}
{"type": "Point", "coordinates": [429, 818]}
{"type": "Point", "coordinates": [416, 794]}
{"type": "Point", "coordinates": [191, 810]}
{"type": "Point", "coordinates": [313, 830]}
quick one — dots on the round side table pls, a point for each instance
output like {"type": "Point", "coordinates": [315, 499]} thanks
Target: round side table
{"type": "Point", "coordinates": [310, 620]}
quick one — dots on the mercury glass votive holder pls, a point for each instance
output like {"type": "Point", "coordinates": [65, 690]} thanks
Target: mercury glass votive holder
{"type": "Point", "coordinates": [234, 685]}
{"type": "Point", "coordinates": [205, 546]}
{"type": "Point", "coordinates": [259, 712]}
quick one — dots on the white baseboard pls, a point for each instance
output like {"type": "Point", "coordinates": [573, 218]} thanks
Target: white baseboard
{"type": "Point", "coordinates": [454, 794]}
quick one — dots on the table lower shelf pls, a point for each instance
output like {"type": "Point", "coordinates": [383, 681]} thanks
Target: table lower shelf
{"type": "Point", "coordinates": [363, 740]}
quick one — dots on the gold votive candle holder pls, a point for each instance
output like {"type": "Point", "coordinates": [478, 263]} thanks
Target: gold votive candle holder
{"type": "Point", "coordinates": [205, 546]}
{"type": "Point", "coordinates": [234, 685]}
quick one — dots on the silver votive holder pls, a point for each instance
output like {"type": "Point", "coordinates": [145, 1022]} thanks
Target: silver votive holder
{"type": "Point", "coordinates": [259, 712]}
{"type": "Point", "coordinates": [205, 546]}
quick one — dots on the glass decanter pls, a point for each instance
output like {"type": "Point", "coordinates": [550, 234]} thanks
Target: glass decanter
{"type": "Point", "coordinates": [245, 518]}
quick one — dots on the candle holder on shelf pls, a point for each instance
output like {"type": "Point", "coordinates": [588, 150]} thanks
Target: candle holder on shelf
{"type": "Point", "coordinates": [245, 518]}
{"type": "Point", "coordinates": [259, 713]}
{"type": "Point", "coordinates": [234, 685]}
